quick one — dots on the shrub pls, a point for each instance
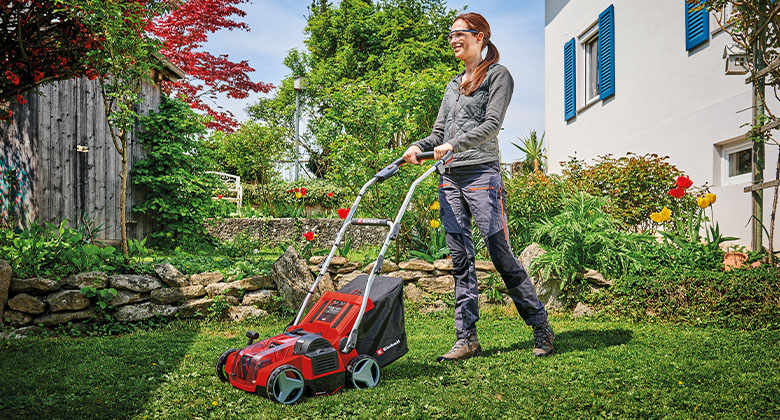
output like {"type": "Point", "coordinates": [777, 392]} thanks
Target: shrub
{"type": "Point", "coordinates": [275, 199]}
{"type": "Point", "coordinates": [742, 298]}
{"type": "Point", "coordinates": [636, 186]}
{"type": "Point", "coordinates": [250, 152]}
{"type": "Point", "coordinates": [178, 193]}
{"type": "Point", "coordinates": [531, 198]}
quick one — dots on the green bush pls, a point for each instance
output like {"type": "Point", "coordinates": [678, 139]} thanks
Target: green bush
{"type": "Point", "coordinates": [250, 152]}
{"type": "Point", "coordinates": [277, 198]}
{"type": "Point", "coordinates": [742, 298]}
{"type": "Point", "coordinates": [531, 198]}
{"type": "Point", "coordinates": [48, 250]}
{"type": "Point", "coordinates": [178, 193]}
{"type": "Point", "coordinates": [635, 185]}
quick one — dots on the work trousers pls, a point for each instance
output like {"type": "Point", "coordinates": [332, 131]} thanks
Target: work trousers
{"type": "Point", "coordinates": [478, 191]}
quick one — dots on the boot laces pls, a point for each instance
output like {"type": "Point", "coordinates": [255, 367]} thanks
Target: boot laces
{"type": "Point", "coordinates": [541, 337]}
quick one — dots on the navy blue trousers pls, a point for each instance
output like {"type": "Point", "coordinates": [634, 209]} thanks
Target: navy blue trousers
{"type": "Point", "coordinates": [477, 191]}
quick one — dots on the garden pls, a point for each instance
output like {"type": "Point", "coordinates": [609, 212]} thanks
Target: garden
{"type": "Point", "coordinates": [657, 314]}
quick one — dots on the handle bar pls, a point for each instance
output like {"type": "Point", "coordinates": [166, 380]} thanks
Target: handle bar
{"type": "Point", "coordinates": [392, 169]}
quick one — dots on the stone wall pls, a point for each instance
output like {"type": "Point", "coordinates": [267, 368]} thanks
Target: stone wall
{"type": "Point", "coordinates": [272, 232]}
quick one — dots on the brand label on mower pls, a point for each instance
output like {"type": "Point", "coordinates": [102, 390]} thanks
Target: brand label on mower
{"type": "Point", "coordinates": [382, 351]}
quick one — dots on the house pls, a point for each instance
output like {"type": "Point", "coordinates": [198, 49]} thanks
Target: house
{"type": "Point", "coordinates": [650, 77]}
{"type": "Point", "coordinates": [57, 159]}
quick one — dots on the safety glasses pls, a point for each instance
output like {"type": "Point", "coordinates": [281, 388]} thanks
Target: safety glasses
{"type": "Point", "coordinates": [459, 34]}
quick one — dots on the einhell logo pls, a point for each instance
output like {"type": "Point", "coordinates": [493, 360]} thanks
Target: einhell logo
{"type": "Point", "coordinates": [382, 351]}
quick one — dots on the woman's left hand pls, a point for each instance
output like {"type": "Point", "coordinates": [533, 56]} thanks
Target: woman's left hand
{"type": "Point", "coordinates": [440, 151]}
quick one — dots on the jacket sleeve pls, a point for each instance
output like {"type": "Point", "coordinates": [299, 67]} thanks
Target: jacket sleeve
{"type": "Point", "coordinates": [501, 88]}
{"type": "Point", "coordinates": [437, 134]}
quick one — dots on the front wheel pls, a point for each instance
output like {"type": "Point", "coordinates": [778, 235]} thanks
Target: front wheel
{"type": "Point", "coordinates": [285, 384]}
{"type": "Point", "coordinates": [363, 372]}
{"type": "Point", "coordinates": [221, 364]}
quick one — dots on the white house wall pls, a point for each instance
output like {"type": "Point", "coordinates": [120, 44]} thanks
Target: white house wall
{"type": "Point", "coordinates": [668, 101]}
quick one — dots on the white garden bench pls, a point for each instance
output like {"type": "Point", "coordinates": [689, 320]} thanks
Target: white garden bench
{"type": "Point", "coordinates": [235, 193]}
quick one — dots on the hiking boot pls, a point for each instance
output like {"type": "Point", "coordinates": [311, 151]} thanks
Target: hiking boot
{"type": "Point", "coordinates": [463, 349]}
{"type": "Point", "coordinates": [544, 337]}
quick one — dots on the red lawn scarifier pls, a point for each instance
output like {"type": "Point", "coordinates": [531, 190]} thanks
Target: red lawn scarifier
{"type": "Point", "coordinates": [347, 336]}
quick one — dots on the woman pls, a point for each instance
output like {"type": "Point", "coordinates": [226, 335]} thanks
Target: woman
{"type": "Point", "coordinates": [470, 117]}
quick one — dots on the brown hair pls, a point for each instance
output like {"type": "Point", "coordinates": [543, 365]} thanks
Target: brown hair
{"type": "Point", "coordinates": [477, 22]}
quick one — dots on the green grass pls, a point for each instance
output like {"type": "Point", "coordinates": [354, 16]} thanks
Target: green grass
{"type": "Point", "coordinates": [601, 370]}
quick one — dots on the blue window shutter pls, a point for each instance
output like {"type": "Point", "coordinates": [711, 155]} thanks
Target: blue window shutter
{"type": "Point", "coordinates": [607, 53]}
{"type": "Point", "coordinates": [569, 85]}
{"type": "Point", "coordinates": [697, 24]}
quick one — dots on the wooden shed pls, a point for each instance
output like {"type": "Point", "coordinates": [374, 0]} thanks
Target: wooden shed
{"type": "Point", "coordinates": [58, 160]}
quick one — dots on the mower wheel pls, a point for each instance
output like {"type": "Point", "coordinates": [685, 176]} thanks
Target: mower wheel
{"type": "Point", "coordinates": [221, 364]}
{"type": "Point", "coordinates": [285, 384]}
{"type": "Point", "coordinates": [363, 372]}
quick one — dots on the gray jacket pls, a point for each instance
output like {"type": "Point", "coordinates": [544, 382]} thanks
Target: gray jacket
{"type": "Point", "coordinates": [471, 123]}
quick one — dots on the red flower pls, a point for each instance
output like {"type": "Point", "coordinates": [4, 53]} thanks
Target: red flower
{"type": "Point", "coordinates": [684, 182]}
{"type": "Point", "coordinates": [290, 191]}
{"type": "Point", "coordinates": [677, 192]}
{"type": "Point", "coordinates": [330, 194]}
{"type": "Point", "coordinates": [20, 99]}
{"type": "Point", "coordinates": [309, 236]}
{"type": "Point", "coordinates": [297, 189]}
{"type": "Point", "coordinates": [303, 191]}
{"type": "Point", "coordinates": [343, 213]}
{"type": "Point", "coordinates": [37, 76]}
{"type": "Point", "coordinates": [220, 196]}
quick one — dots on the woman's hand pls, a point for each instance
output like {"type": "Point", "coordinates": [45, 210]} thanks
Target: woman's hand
{"type": "Point", "coordinates": [440, 151]}
{"type": "Point", "coordinates": [410, 155]}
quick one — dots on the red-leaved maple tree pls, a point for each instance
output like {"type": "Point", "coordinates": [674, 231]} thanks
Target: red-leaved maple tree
{"type": "Point", "coordinates": [184, 30]}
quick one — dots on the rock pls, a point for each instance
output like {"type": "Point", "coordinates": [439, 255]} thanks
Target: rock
{"type": "Point", "coordinates": [326, 285]}
{"type": "Point", "coordinates": [230, 289]}
{"type": "Point", "coordinates": [5, 285]}
{"type": "Point", "coordinates": [413, 293]}
{"type": "Point", "coordinates": [64, 317]}
{"type": "Point", "coordinates": [406, 275]}
{"type": "Point", "coordinates": [582, 310]}
{"type": "Point", "coordinates": [142, 311]}
{"type": "Point", "coordinates": [317, 260]}
{"type": "Point", "coordinates": [240, 313]}
{"type": "Point", "coordinates": [292, 278]}
{"type": "Point", "coordinates": [435, 273]}
{"type": "Point", "coordinates": [17, 319]}
{"type": "Point", "coordinates": [256, 283]}
{"type": "Point", "coordinates": [170, 275]}
{"type": "Point", "coordinates": [549, 291]}
{"type": "Point", "coordinates": [135, 282]}
{"type": "Point", "coordinates": [387, 267]}
{"type": "Point", "coordinates": [437, 306]}
{"type": "Point", "coordinates": [204, 279]}
{"type": "Point", "coordinates": [96, 279]}
{"type": "Point", "coordinates": [35, 285]}
{"type": "Point", "coordinates": [485, 266]}
{"type": "Point", "coordinates": [443, 265]}
{"type": "Point", "coordinates": [174, 295]}
{"type": "Point", "coordinates": [67, 300]}
{"type": "Point", "coordinates": [30, 331]}
{"type": "Point", "coordinates": [337, 260]}
{"type": "Point", "coordinates": [260, 298]}
{"type": "Point", "coordinates": [124, 297]}
{"type": "Point", "coordinates": [342, 279]}
{"type": "Point", "coordinates": [195, 308]}
{"type": "Point", "coordinates": [350, 267]}
{"type": "Point", "coordinates": [595, 278]}
{"type": "Point", "coordinates": [419, 265]}
{"type": "Point", "coordinates": [27, 304]}
{"type": "Point", "coordinates": [441, 284]}
{"type": "Point", "coordinates": [315, 269]}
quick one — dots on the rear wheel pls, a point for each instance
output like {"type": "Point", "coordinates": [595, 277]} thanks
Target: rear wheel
{"type": "Point", "coordinates": [285, 384]}
{"type": "Point", "coordinates": [221, 364]}
{"type": "Point", "coordinates": [363, 372]}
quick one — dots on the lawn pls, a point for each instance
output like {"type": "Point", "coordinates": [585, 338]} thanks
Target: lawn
{"type": "Point", "coordinates": [601, 370]}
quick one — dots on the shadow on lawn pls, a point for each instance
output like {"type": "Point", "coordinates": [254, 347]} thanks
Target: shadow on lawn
{"type": "Point", "coordinates": [574, 340]}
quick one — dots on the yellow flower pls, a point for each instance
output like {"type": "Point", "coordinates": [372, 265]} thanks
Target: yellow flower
{"type": "Point", "coordinates": [214, 403]}
{"type": "Point", "coordinates": [435, 224]}
{"type": "Point", "coordinates": [702, 202]}
{"type": "Point", "coordinates": [298, 195]}
{"type": "Point", "coordinates": [435, 205]}
{"type": "Point", "coordinates": [711, 198]}
{"type": "Point", "coordinates": [661, 216]}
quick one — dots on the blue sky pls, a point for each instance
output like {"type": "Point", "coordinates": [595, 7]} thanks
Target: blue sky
{"type": "Point", "coordinates": [518, 32]}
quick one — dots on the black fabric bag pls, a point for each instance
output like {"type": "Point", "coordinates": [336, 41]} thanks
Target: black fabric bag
{"type": "Point", "coordinates": [382, 332]}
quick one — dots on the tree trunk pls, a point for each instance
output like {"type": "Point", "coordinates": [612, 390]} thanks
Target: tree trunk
{"type": "Point", "coordinates": [772, 218]}
{"type": "Point", "coordinates": [123, 196]}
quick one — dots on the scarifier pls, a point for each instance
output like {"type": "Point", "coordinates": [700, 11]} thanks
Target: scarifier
{"type": "Point", "coordinates": [346, 337]}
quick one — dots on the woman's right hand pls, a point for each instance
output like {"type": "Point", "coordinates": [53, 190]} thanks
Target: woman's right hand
{"type": "Point", "coordinates": [410, 155]}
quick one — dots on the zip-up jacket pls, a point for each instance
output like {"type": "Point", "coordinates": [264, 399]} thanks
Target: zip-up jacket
{"type": "Point", "coordinates": [471, 123]}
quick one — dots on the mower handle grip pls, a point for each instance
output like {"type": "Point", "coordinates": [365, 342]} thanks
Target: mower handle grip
{"type": "Point", "coordinates": [392, 169]}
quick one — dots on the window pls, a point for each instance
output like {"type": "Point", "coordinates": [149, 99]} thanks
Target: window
{"type": "Point", "coordinates": [739, 162]}
{"type": "Point", "coordinates": [697, 24]}
{"type": "Point", "coordinates": [591, 68]}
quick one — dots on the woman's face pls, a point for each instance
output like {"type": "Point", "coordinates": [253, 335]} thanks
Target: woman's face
{"type": "Point", "coordinates": [465, 44]}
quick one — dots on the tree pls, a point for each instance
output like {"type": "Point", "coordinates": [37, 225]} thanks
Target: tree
{"type": "Point", "coordinates": [40, 41]}
{"type": "Point", "coordinates": [533, 147]}
{"type": "Point", "coordinates": [183, 31]}
{"type": "Point", "coordinates": [124, 57]}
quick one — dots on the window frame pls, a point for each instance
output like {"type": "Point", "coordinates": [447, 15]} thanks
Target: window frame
{"type": "Point", "coordinates": [587, 36]}
{"type": "Point", "coordinates": [725, 168]}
